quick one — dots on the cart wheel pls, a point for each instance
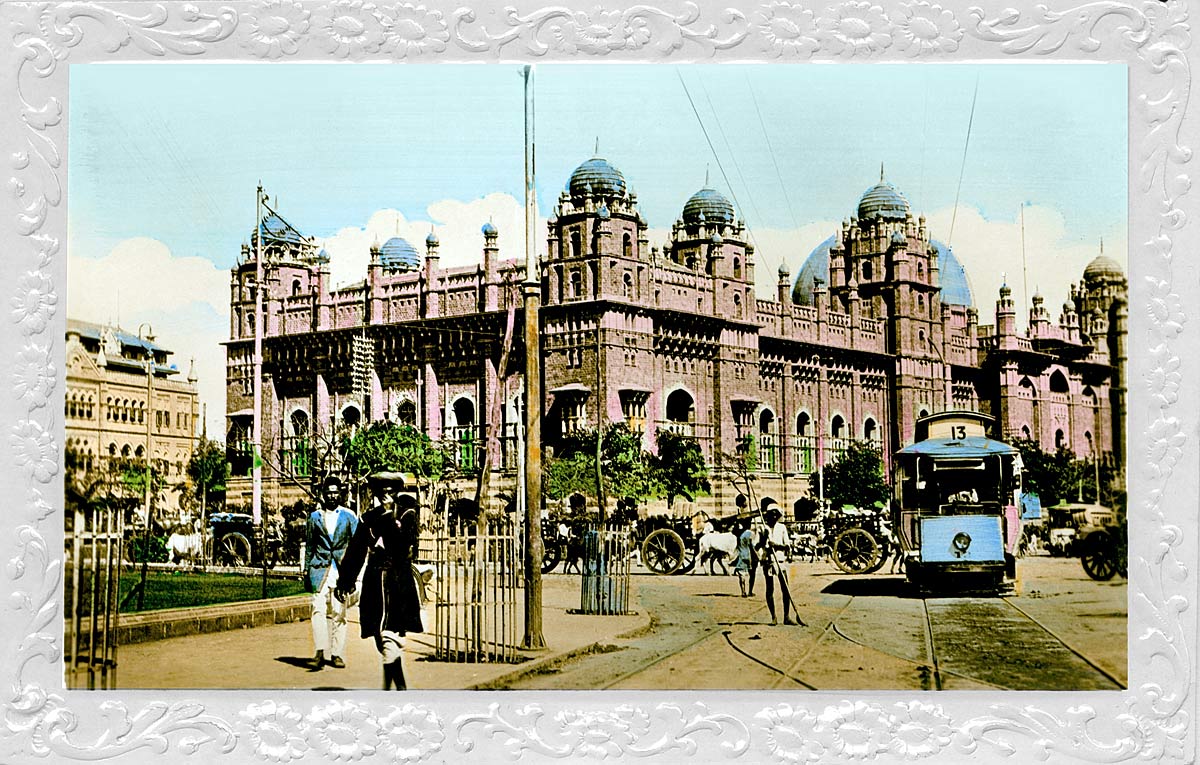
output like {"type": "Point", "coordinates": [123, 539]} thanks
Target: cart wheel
{"type": "Point", "coordinates": [855, 551]}
{"type": "Point", "coordinates": [551, 555]}
{"type": "Point", "coordinates": [690, 559]}
{"type": "Point", "coordinates": [663, 552]}
{"type": "Point", "coordinates": [233, 549]}
{"type": "Point", "coordinates": [885, 552]}
{"type": "Point", "coordinates": [1099, 558]}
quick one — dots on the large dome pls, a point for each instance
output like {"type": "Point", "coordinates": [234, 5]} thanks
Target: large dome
{"type": "Point", "coordinates": [883, 200]}
{"type": "Point", "coordinates": [597, 177]}
{"type": "Point", "coordinates": [1102, 266]}
{"type": "Point", "coordinates": [709, 203]}
{"type": "Point", "coordinates": [397, 254]}
{"type": "Point", "coordinates": [956, 290]}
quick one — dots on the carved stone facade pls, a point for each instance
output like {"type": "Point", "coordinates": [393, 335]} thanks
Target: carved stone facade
{"type": "Point", "coordinates": [879, 327]}
{"type": "Point", "coordinates": [108, 404]}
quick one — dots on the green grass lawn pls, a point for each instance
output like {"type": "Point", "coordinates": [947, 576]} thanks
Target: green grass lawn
{"type": "Point", "coordinates": [187, 590]}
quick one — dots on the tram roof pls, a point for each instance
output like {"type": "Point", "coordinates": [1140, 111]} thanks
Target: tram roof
{"type": "Point", "coordinates": [971, 446]}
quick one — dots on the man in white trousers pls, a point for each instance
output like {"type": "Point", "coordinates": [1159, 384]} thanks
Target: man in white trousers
{"type": "Point", "coordinates": [330, 528]}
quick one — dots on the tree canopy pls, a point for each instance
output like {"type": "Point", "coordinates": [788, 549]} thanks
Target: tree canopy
{"type": "Point", "coordinates": [678, 470]}
{"type": "Point", "coordinates": [207, 472]}
{"type": "Point", "coordinates": [855, 478]}
{"type": "Point", "coordinates": [386, 446]}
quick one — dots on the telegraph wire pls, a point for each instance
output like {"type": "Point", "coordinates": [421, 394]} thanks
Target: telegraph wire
{"type": "Point", "coordinates": [963, 167]}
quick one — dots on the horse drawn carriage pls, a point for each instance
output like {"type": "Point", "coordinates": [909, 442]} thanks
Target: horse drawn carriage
{"type": "Point", "coordinates": [1102, 542]}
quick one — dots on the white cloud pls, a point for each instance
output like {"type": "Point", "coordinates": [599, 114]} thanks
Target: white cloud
{"type": "Point", "coordinates": [184, 299]}
{"type": "Point", "coordinates": [457, 225]}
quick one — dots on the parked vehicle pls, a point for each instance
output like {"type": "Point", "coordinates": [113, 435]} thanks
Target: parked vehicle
{"type": "Point", "coordinates": [1103, 542]}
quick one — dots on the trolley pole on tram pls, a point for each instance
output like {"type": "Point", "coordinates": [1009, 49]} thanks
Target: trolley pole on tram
{"type": "Point", "coordinates": [533, 396]}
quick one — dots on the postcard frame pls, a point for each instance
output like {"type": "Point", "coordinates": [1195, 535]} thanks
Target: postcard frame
{"type": "Point", "coordinates": [1152, 721]}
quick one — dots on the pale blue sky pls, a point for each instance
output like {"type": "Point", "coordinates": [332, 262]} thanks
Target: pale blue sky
{"type": "Point", "coordinates": [164, 160]}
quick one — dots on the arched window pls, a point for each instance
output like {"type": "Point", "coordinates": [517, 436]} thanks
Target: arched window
{"type": "Point", "coordinates": [737, 305]}
{"type": "Point", "coordinates": [1060, 439]}
{"type": "Point", "coordinates": [576, 283]}
{"type": "Point", "coordinates": [803, 421]}
{"type": "Point", "coordinates": [125, 450]}
{"type": "Point", "coordinates": [923, 413]}
{"type": "Point", "coordinates": [867, 271]}
{"type": "Point", "coordinates": [680, 407]}
{"type": "Point", "coordinates": [406, 413]}
{"type": "Point", "coordinates": [737, 268]}
{"type": "Point", "coordinates": [112, 450]}
{"type": "Point", "coordinates": [921, 337]}
{"type": "Point", "coordinates": [1058, 383]}
{"type": "Point", "coordinates": [627, 285]}
{"type": "Point", "coordinates": [576, 244]}
{"type": "Point", "coordinates": [295, 287]}
{"type": "Point", "coordinates": [1025, 432]}
{"type": "Point", "coordinates": [139, 452]}
{"type": "Point", "coordinates": [351, 416]}
{"type": "Point", "coordinates": [837, 427]}
{"type": "Point", "coordinates": [870, 430]}
{"type": "Point", "coordinates": [627, 246]}
{"type": "Point", "coordinates": [920, 270]}
{"type": "Point", "coordinates": [249, 323]}
{"type": "Point", "coordinates": [921, 303]}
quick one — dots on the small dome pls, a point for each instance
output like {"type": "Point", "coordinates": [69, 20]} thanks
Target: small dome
{"type": "Point", "coordinates": [488, 229]}
{"type": "Point", "coordinates": [431, 240]}
{"type": "Point", "coordinates": [706, 206]}
{"type": "Point", "coordinates": [884, 200]}
{"type": "Point", "coordinates": [397, 254]}
{"type": "Point", "coordinates": [603, 213]}
{"type": "Point", "coordinates": [322, 256]}
{"type": "Point", "coordinates": [1102, 266]}
{"type": "Point", "coordinates": [717, 238]}
{"type": "Point", "coordinates": [783, 269]}
{"type": "Point", "coordinates": [596, 178]}
{"type": "Point", "coordinates": [899, 238]}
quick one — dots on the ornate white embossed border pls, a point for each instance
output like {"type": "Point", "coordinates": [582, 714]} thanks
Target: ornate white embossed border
{"type": "Point", "coordinates": [1153, 721]}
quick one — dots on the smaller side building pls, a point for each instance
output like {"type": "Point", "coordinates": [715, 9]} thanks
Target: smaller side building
{"type": "Point", "coordinates": [116, 409]}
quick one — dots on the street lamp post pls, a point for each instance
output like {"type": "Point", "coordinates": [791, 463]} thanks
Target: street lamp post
{"type": "Point", "coordinates": [141, 601]}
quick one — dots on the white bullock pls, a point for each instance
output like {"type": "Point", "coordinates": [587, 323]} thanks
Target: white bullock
{"type": "Point", "coordinates": [720, 547]}
{"type": "Point", "coordinates": [186, 543]}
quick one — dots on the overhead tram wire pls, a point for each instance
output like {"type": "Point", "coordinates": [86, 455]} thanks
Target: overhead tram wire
{"type": "Point", "coordinates": [770, 150]}
{"type": "Point", "coordinates": [963, 167]}
{"type": "Point", "coordinates": [713, 150]}
{"type": "Point", "coordinates": [732, 158]}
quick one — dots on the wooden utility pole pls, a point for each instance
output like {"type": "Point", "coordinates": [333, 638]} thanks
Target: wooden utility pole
{"type": "Point", "coordinates": [533, 397]}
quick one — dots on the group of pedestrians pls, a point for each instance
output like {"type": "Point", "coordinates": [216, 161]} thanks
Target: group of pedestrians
{"type": "Point", "coordinates": [382, 547]}
{"type": "Point", "coordinates": [767, 552]}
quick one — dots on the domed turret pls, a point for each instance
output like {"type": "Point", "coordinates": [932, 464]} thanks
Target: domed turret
{"type": "Point", "coordinates": [1102, 266]}
{"type": "Point", "coordinates": [431, 240]}
{"type": "Point", "coordinates": [276, 228]}
{"type": "Point", "coordinates": [397, 254]}
{"type": "Point", "coordinates": [488, 229]}
{"type": "Point", "coordinates": [596, 177]}
{"type": "Point", "coordinates": [707, 206]}
{"type": "Point", "coordinates": [883, 200]}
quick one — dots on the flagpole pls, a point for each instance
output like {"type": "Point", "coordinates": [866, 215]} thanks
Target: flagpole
{"type": "Point", "coordinates": [256, 434]}
{"type": "Point", "coordinates": [533, 396]}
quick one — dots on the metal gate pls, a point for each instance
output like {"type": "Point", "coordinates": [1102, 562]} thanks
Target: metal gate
{"type": "Point", "coordinates": [92, 583]}
{"type": "Point", "coordinates": [476, 608]}
{"type": "Point", "coordinates": [605, 587]}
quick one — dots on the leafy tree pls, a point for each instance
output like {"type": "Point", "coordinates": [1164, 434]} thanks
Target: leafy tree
{"type": "Point", "coordinates": [855, 477]}
{"type": "Point", "coordinates": [385, 446]}
{"type": "Point", "coordinates": [207, 472]}
{"type": "Point", "coordinates": [1059, 477]}
{"type": "Point", "coordinates": [625, 466]}
{"type": "Point", "coordinates": [678, 470]}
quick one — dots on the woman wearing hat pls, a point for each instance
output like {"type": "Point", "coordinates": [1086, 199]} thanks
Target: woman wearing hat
{"type": "Point", "coordinates": [774, 548]}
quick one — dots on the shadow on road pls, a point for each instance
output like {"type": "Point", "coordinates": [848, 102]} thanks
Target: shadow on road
{"type": "Point", "coordinates": [873, 587]}
{"type": "Point", "coordinates": [303, 662]}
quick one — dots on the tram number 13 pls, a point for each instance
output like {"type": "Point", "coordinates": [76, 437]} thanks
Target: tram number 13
{"type": "Point", "coordinates": [958, 431]}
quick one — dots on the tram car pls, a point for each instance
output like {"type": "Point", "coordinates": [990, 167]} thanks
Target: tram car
{"type": "Point", "coordinates": [956, 507]}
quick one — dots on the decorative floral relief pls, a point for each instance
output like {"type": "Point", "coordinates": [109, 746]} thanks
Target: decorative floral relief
{"type": "Point", "coordinates": [927, 28]}
{"type": "Point", "coordinates": [620, 732]}
{"type": "Point", "coordinates": [34, 375]}
{"type": "Point", "coordinates": [598, 32]}
{"type": "Point", "coordinates": [857, 28]}
{"type": "Point", "coordinates": [343, 731]}
{"type": "Point", "coordinates": [1155, 35]}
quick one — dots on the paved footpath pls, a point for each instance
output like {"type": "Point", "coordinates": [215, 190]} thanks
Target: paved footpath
{"type": "Point", "coordinates": [276, 656]}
